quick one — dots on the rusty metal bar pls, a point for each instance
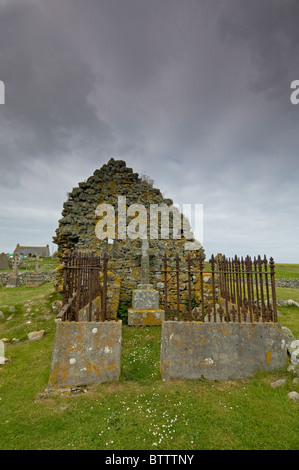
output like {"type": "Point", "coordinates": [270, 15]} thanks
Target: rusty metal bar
{"type": "Point", "coordinates": [66, 306]}
{"type": "Point", "coordinates": [104, 288]}
{"type": "Point", "coordinates": [272, 274]}
{"type": "Point", "coordinates": [233, 281]}
{"type": "Point", "coordinates": [212, 263]}
{"type": "Point", "coordinates": [189, 260]}
{"type": "Point", "coordinates": [226, 289]}
{"type": "Point", "coordinates": [90, 286]}
{"type": "Point", "coordinates": [259, 264]}
{"type": "Point", "coordinates": [165, 259]}
{"type": "Point", "coordinates": [177, 273]}
{"type": "Point", "coordinates": [248, 266]}
{"type": "Point", "coordinates": [266, 282]}
{"type": "Point", "coordinates": [230, 275]}
{"type": "Point", "coordinates": [201, 267]}
{"type": "Point", "coordinates": [238, 285]}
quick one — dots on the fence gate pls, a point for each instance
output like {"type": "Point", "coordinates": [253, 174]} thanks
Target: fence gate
{"type": "Point", "coordinates": [84, 279]}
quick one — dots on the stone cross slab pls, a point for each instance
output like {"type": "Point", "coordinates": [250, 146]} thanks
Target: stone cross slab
{"type": "Point", "coordinates": [144, 277]}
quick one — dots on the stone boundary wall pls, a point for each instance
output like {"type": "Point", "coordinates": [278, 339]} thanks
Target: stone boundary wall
{"type": "Point", "coordinates": [292, 283]}
{"type": "Point", "coordinates": [25, 276]}
{"type": "Point", "coordinates": [220, 351]}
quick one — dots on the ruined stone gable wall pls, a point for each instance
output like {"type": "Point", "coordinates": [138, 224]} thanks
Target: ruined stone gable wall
{"type": "Point", "coordinates": [77, 226]}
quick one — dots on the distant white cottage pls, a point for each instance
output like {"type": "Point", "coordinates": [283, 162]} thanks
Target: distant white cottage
{"type": "Point", "coordinates": [32, 251]}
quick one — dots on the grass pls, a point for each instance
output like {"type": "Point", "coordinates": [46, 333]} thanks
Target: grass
{"type": "Point", "coordinates": [140, 411]}
{"type": "Point", "coordinates": [289, 315]}
{"type": "Point", "coordinates": [282, 270]}
{"type": "Point", "coordinates": [289, 271]}
{"type": "Point", "coordinates": [28, 264]}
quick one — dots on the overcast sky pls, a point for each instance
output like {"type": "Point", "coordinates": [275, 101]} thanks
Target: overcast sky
{"type": "Point", "coordinates": [193, 93]}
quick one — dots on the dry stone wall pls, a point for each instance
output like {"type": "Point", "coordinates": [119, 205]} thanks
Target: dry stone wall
{"type": "Point", "coordinates": [290, 283]}
{"type": "Point", "coordinates": [25, 277]}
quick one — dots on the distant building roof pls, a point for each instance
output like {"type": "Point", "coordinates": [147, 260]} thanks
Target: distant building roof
{"type": "Point", "coordinates": [32, 250]}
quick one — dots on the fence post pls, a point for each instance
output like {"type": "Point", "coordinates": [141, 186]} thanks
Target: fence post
{"type": "Point", "coordinates": [212, 263]}
{"type": "Point", "coordinates": [266, 282]}
{"type": "Point", "coordinates": [165, 259]}
{"type": "Point", "coordinates": [226, 289]}
{"type": "Point", "coordinates": [189, 260]}
{"type": "Point", "coordinates": [248, 265]}
{"type": "Point", "coordinates": [104, 288]}
{"type": "Point", "coordinates": [201, 267]}
{"type": "Point", "coordinates": [237, 271]}
{"type": "Point", "coordinates": [272, 274]}
{"type": "Point", "coordinates": [177, 267]}
{"type": "Point", "coordinates": [259, 263]}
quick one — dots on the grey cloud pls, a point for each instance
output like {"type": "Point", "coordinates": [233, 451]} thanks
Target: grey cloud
{"type": "Point", "coordinates": [270, 28]}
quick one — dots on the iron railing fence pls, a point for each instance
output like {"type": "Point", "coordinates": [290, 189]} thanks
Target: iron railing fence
{"type": "Point", "coordinates": [250, 285]}
{"type": "Point", "coordinates": [84, 279]}
{"type": "Point", "coordinates": [237, 289]}
{"type": "Point", "coordinates": [240, 290]}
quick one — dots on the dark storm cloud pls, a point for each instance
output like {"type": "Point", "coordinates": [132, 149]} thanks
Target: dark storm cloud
{"type": "Point", "coordinates": [270, 29]}
{"type": "Point", "coordinates": [47, 86]}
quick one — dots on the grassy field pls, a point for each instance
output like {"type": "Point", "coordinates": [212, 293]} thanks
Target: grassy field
{"type": "Point", "coordinates": [45, 264]}
{"type": "Point", "coordinates": [28, 264]}
{"type": "Point", "coordinates": [289, 271]}
{"type": "Point", "coordinates": [140, 411]}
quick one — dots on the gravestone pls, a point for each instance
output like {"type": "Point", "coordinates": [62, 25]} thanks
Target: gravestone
{"type": "Point", "coordinates": [14, 278]}
{"type": "Point", "coordinates": [4, 261]}
{"type": "Point", "coordinates": [145, 299]}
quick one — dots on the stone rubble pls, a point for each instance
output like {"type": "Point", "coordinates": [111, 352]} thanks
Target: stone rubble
{"type": "Point", "coordinates": [36, 335]}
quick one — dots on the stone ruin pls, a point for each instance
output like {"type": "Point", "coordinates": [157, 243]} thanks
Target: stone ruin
{"type": "Point", "coordinates": [77, 228]}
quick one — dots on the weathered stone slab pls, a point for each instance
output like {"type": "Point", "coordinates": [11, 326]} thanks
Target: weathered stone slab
{"type": "Point", "coordinates": [220, 351]}
{"type": "Point", "coordinates": [4, 261]}
{"type": "Point", "coordinates": [145, 317]}
{"type": "Point", "coordinates": [85, 353]}
{"type": "Point", "coordinates": [13, 281]}
{"type": "Point", "coordinates": [145, 299]}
